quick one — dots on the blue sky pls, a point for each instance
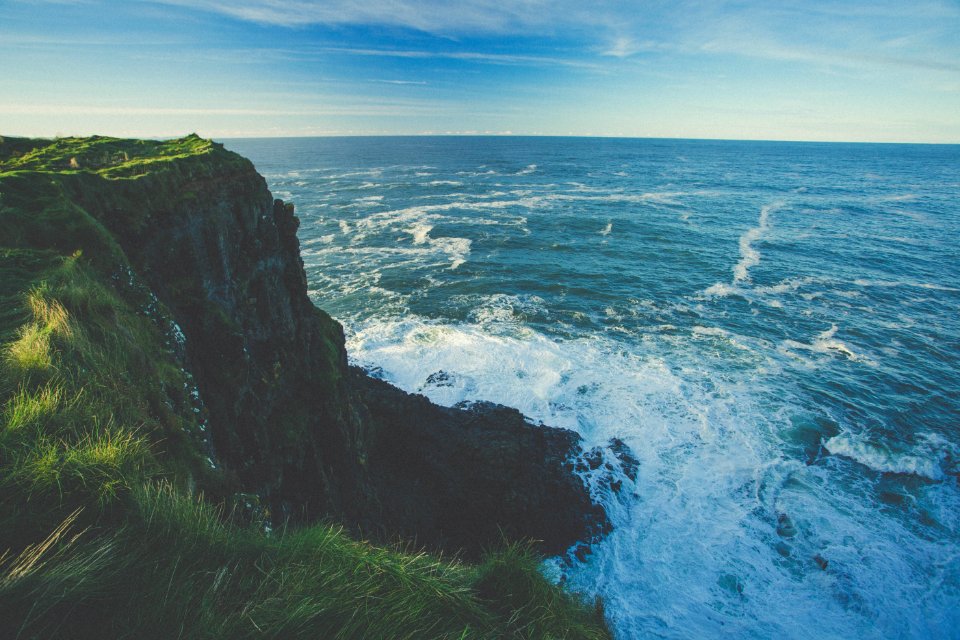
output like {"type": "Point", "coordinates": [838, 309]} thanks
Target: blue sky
{"type": "Point", "coordinates": [789, 70]}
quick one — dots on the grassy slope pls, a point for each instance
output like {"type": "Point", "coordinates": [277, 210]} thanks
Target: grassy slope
{"type": "Point", "coordinates": [104, 531]}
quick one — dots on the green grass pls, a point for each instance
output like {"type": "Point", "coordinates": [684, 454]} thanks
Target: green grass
{"type": "Point", "coordinates": [175, 569]}
{"type": "Point", "coordinates": [112, 524]}
{"type": "Point", "coordinates": [96, 153]}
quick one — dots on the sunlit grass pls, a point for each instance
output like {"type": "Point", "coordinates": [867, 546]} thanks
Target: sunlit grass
{"type": "Point", "coordinates": [30, 353]}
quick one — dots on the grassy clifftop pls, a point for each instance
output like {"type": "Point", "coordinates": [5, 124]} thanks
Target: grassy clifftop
{"type": "Point", "coordinates": [116, 519]}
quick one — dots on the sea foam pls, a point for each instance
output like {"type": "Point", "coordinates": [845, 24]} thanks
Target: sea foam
{"type": "Point", "coordinates": [924, 460]}
{"type": "Point", "coordinates": [749, 255]}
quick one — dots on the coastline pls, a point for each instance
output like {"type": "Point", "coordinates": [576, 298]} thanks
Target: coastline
{"type": "Point", "coordinates": [269, 422]}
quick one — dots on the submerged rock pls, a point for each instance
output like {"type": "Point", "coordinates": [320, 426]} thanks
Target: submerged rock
{"type": "Point", "coordinates": [628, 462]}
{"type": "Point", "coordinates": [439, 379]}
{"type": "Point", "coordinates": [785, 526]}
{"type": "Point", "coordinates": [731, 583]}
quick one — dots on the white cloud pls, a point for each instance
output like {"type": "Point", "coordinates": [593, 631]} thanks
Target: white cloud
{"type": "Point", "coordinates": [403, 82]}
{"type": "Point", "coordinates": [853, 33]}
{"type": "Point", "coordinates": [625, 47]}
{"type": "Point", "coordinates": [477, 56]}
{"type": "Point", "coordinates": [355, 109]}
{"type": "Point", "coordinates": [432, 16]}
{"type": "Point", "coordinates": [622, 47]}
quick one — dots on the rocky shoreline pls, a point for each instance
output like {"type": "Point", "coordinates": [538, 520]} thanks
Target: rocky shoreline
{"type": "Point", "coordinates": [290, 421]}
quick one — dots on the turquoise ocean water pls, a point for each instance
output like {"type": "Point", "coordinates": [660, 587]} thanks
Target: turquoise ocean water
{"type": "Point", "coordinates": [774, 328]}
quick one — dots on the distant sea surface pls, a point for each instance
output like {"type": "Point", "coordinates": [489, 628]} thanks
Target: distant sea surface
{"type": "Point", "coordinates": [773, 328]}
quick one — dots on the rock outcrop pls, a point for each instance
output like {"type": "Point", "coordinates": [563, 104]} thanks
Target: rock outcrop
{"type": "Point", "coordinates": [313, 437]}
{"type": "Point", "coordinates": [461, 478]}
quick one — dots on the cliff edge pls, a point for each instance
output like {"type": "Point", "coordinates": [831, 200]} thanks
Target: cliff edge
{"type": "Point", "coordinates": [290, 424]}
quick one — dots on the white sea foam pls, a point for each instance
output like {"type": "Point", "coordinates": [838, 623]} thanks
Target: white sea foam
{"type": "Point", "coordinates": [420, 233]}
{"type": "Point", "coordinates": [720, 290]}
{"type": "Point", "coordinates": [457, 249]}
{"type": "Point", "coordinates": [725, 337]}
{"type": "Point", "coordinates": [899, 197]}
{"type": "Point", "coordinates": [710, 331]}
{"type": "Point", "coordinates": [492, 355]}
{"type": "Point", "coordinates": [361, 173]}
{"type": "Point", "coordinates": [750, 256]}
{"type": "Point", "coordinates": [863, 282]}
{"type": "Point", "coordinates": [824, 343]}
{"type": "Point", "coordinates": [443, 183]}
{"type": "Point", "coordinates": [787, 286]}
{"type": "Point", "coordinates": [502, 308]}
{"type": "Point", "coordinates": [697, 552]}
{"type": "Point", "coordinates": [937, 287]}
{"type": "Point", "coordinates": [424, 250]}
{"type": "Point", "coordinates": [607, 229]}
{"type": "Point", "coordinates": [530, 199]}
{"type": "Point", "coordinates": [408, 217]}
{"type": "Point", "coordinates": [530, 168]}
{"type": "Point", "coordinates": [924, 460]}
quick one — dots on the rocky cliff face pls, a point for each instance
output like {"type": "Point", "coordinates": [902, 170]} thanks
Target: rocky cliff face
{"type": "Point", "coordinates": [289, 418]}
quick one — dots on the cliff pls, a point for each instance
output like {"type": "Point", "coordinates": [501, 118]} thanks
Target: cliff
{"type": "Point", "coordinates": [287, 417]}
{"type": "Point", "coordinates": [156, 322]}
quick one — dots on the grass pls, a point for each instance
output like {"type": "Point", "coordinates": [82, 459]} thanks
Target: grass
{"type": "Point", "coordinates": [177, 570]}
{"type": "Point", "coordinates": [112, 523]}
{"type": "Point", "coordinates": [96, 153]}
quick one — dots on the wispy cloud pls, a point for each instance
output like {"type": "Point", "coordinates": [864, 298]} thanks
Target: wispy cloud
{"type": "Point", "coordinates": [431, 16]}
{"type": "Point", "coordinates": [14, 39]}
{"type": "Point", "coordinates": [625, 47]}
{"type": "Point", "coordinates": [476, 56]}
{"type": "Point", "coordinates": [353, 109]}
{"type": "Point", "coordinates": [403, 82]}
{"type": "Point", "coordinates": [854, 33]}
{"type": "Point", "coordinates": [736, 36]}
{"type": "Point", "coordinates": [622, 47]}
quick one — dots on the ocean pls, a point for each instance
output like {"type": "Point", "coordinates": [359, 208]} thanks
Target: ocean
{"type": "Point", "coordinates": [772, 327]}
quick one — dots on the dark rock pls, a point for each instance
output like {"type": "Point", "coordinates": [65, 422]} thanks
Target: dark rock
{"type": "Point", "coordinates": [582, 551]}
{"type": "Point", "coordinates": [821, 562]}
{"type": "Point", "coordinates": [375, 372]}
{"type": "Point", "coordinates": [593, 459]}
{"type": "Point", "coordinates": [458, 477]}
{"type": "Point", "coordinates": [439, 379]}
{"type": "Point", "coordinates": [628, 462]}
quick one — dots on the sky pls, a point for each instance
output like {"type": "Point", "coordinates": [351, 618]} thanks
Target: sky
{"type": "Point", "coordinates": [826, 70]}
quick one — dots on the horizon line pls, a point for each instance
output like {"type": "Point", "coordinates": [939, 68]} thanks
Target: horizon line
{"type": "Point", "coordinates": [574, 135]}
{"type": "Point", "coordinates": [481, 135]}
